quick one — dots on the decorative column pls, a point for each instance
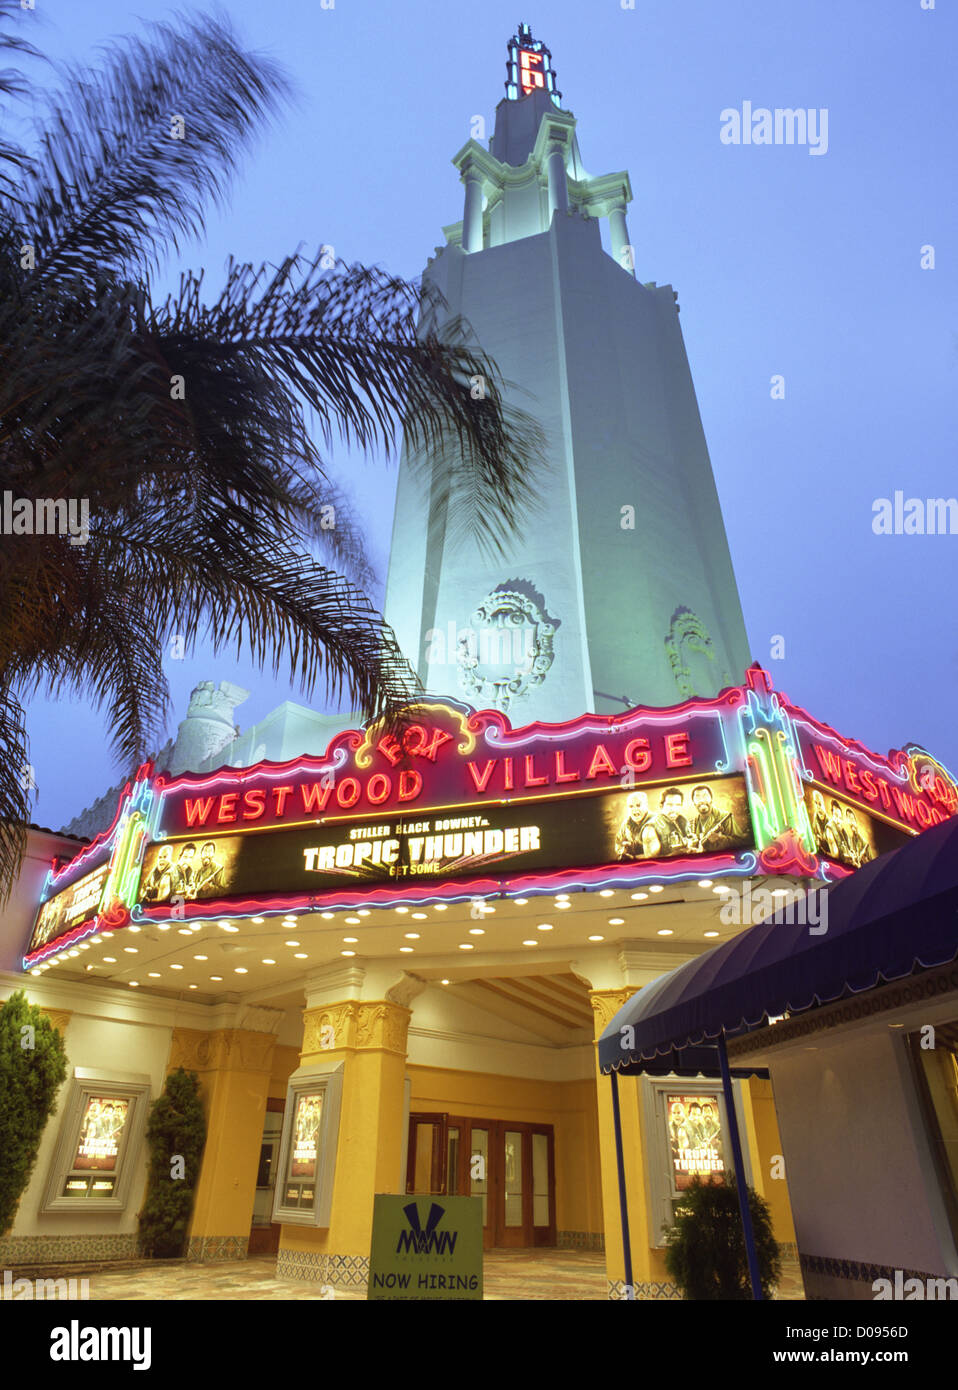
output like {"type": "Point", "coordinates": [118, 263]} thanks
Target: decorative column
{"type": "Point", "coordinates": [369, 1037]}
{"type": "Point", "coordinates": [619, 234]}
{"type": "Point", "coordinates": [472, 215]}
{"type": "Point", "coordinates": [234, 1066]}
{"type": "Point", "coordinates": [558, 188]}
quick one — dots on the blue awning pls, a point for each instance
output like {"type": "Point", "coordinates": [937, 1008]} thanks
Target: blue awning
{"type": "Point", "coordinates": [895, 916]}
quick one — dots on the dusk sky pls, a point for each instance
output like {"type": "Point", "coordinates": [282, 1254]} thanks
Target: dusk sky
{"type": "Point", "coordinates": [785, 261]}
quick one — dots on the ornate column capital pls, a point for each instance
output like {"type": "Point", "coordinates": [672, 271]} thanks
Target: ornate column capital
{"type": "Point", "coordinates": [606, 1003]}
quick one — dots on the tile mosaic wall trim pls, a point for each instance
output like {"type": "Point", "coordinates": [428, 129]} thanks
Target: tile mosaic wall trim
{"type": "Point", "coordinates": [207, 1249]}
{"type": "Point", "coordinates": [340, 1271]}
{"type": "Point", "coordinates": [659, 1292]}
{"type": "Point", "coordinates": [30, 1250]}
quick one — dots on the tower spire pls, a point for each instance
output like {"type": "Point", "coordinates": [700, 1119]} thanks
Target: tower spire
{"type": "Point", "coordinates": [529, 67]}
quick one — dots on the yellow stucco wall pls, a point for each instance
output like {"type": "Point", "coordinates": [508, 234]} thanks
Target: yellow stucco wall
{"type": "Point", "coordinates": [766, 1146]}
{"type": "Point", "coordinates": [569, 1106]}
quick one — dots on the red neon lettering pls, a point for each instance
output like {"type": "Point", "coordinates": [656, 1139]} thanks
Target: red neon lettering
{"type": "Point", "coordinates": [851, 777]}
{"type": "Point", "coordinates": [868, 787]}
{"type": "Point", "coordinates": [388, 745]}
{"type": "Point", "coordinates": [531, 780]}
{"type": "Point", "coordinates": [281, 794]}
{"type": "Point", "coordinates": [637, 754]}
{"type": "Point", "coordinates": [561, 774]}
{"type": "Point", "coordinates": [677, 750]}
{"type": "Point", "coordinates": [348, 798]}
{"type": "Point", "coordinates": [227, 810]}
{"type": "Point", "coordinates": [924, 813]}
{"type": "Point", "coordinates": [481, 779]}
{"type": "Point", "coordinates": [427, 747]}
{"type": "Point", "coordinates": [830, 763]}
{"type": "Point", "coordinates": [601, 762]}
{"type": "Point", "coordinates": [507, 775]}
{"type": "Point", "coordinates": [409, 790]}
{"type": "Point", "coordinates": [905, 803]}
{"type": "Point", "coordinates": [256, 800]}
{"type": "Point", "coordinates": [316, 795]}
{"type": "Point", "coordinates": [386, 784]}
{"type": "Point", "coordinates": [883, 788]}
{"type": "Point", "coordinates": [198, 812]}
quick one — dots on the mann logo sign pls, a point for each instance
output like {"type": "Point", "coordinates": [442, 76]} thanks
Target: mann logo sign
{"type": "Point", "coordinates": [425, 1249]}
{"type": "Point", "coordinates": [422, 1242]}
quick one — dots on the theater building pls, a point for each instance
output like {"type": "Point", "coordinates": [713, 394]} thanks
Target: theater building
{"type": "Point", "coordinates": [388, 952]}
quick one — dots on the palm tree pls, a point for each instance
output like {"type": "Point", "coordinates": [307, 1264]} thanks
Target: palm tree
{"type": "Point", "coordinates": [186, 426]}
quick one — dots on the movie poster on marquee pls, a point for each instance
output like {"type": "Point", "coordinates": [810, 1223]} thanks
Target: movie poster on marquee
{"type": "Point", "coordinates": [305, 1138]}
{"type": "Point", "coordinates": [69, 908]}
{"type": "Point", "coordinates": [100, 1132]}
{"type": "Point", "coordinates": [842, 831]}
{"type": "Point", "coordinates": [664, 820]}
{"type": "Point", "coordinates": [695, 1138]}
{"type": "Point", "coordinates": [692, 818]}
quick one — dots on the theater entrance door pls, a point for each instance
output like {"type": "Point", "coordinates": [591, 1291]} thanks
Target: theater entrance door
{"type": "Point", "coordinates": [508, 1163]}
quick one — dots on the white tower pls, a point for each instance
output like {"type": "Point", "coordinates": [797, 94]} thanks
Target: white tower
{"type": "Point", "coordinates": [620, 590]}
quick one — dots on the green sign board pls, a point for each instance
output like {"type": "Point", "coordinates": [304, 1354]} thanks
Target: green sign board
{"type": "Point", "coordinates": [426, 1247]}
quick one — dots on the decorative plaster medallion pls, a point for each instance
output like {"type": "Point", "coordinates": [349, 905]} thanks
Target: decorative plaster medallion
{"type": "Point", "coordinates": [512, 626]}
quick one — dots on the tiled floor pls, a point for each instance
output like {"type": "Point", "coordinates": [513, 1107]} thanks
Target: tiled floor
{"type": "Point", "coordinates": [520, 1275]}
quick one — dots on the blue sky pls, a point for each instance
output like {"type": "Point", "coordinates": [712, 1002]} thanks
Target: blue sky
{"type": "Point", "coordinates": [784, 262]}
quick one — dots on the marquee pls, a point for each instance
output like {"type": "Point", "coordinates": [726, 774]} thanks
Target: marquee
{"type": "Point", "coordinates": [455, 804]}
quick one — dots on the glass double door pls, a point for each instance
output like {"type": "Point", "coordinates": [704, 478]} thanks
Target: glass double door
{"type": "Point", "coordinates": [509, 1164]}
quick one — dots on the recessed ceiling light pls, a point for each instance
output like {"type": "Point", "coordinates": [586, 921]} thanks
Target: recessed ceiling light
{"type": "Point", "coordinates": [185, 931]}
{"type": "Point", "coordinates": [655, 888]}
{"type": "Point", "coordinates": [544, 926]}
{"type": "Point", "coordinates": [176, 967]}
{"type": "Point", "coordinates": [477, 931]}
{"type": "Point", "coordinates": [407, 948]}
{"type": "Point", "coordinates": [328, 916]}
{"type": "Point", "coordinates": [216, 977]}
{"type": "Point", "coordinates": [191, 986]}
{"type": "Point", "coordinates": [40, 968]}
{"type": "Point", "coordinates": [560, 895]}
{"type": "Point", "coordinates": [616, 921]}
{"type": "Point", "coordinates": [227, 926]}
{"type": "Point", "coordinates": [665, 931]}
{"type": "Point", "coordinates": [110, 960]}
{"type": "Point", "coordinates": [411, 935]}
{"type": "Point", "coordinates": [347, 953]}
{"type": "Point", "coordinates": [134, 984]}
{"type": "Point", "coordinates": [291, 943]}
{"type": "Point", "coordinates": [153, 974]}
{"type": "Point", "coordinates": [402, 909]}
{"type": "Point", "coordinates": [520, 902]}
{"type": "Point", "coordinates": [164, 926]}
{"type": "Point", "coordinates": [96, 940]}
{"type": "Point", "coordinates": [530, 943]}
{"type": "Point", "coordinates": [362, 912]}
{"type": "Point", "coordinates": [85, 945]}
{"type": "Point", "coordinates": [560, 906]}
{"type": "Point", "coordinates": [420, 916]}
{"type": "Point", "coordinates": [465, 946]}
{"type": "Point", "coordinates": [240, 970]}
{"type": "Point", "coordinates": [301, 955]}
{"type": "Point", "coordinates": [130, 951]}
{"type": "Point", "coordinates": [350, 940]}
{"type": "Point", "coordinates": [705, 883]}
{"type": "Point", "coordinates": [352, 921]}
{"type": "Point", "coordinates": [267, 961]}
{"type": "Point", "coordinates": [638, 897]}
{"type": "Point", "coordinates": [723, 888]}
{"type": "Point", "coordinates": [444, 982]}
{"type": "Point", "coordinates": [606, 892]}
{"type": "Point", "coordinates": [133, 929]}
{"type": "Point", "coordinates": [711, 933]}
{"type": "Point", "coordinates": [259, 920]}
{"type": "Point", "coordinates": [783, 893]}
{"type": "Point", "coordinates": [225, 922]}
{"type": "Point", "coordinates": [75, 952]}
{"type": "Point", "coordinates": [201, 957]}
{"type": "Point", "coordinates": [440, 907]}
{"type": "Point", "coordinates": [596, 938]}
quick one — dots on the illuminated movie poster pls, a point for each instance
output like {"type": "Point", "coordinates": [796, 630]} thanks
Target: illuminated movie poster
{"type": "Point", "coordinates": [692, 818]}
{"type": "Point", "coordinates": [100, 1134]}
{"type": "Point", "coordinates": [695, 1139]}
{"type": "Point", "coordinates": [302, 1163]}
{"type": "Point", "coordinates": [841, 831]}
{"type": "Point", "coordinates": [189, 869]}
{"type": "Point", "coordinates": [69, 908]}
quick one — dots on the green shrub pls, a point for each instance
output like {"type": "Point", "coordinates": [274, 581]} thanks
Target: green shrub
{"type": "Point", "coordinates": [33, 1066]}
{"type": "Point", "coordinates": [176, 1133]}
{"type": "Point", "coordinates": [705, 1247]}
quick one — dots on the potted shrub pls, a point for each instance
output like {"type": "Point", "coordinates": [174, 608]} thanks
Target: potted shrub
{"type": "Point", "coordinates": [33, 1066]}
{"type": "Point", "coordinates": [176, 1134]}
{"type": "Point", "coordinates": [705, 1246]}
